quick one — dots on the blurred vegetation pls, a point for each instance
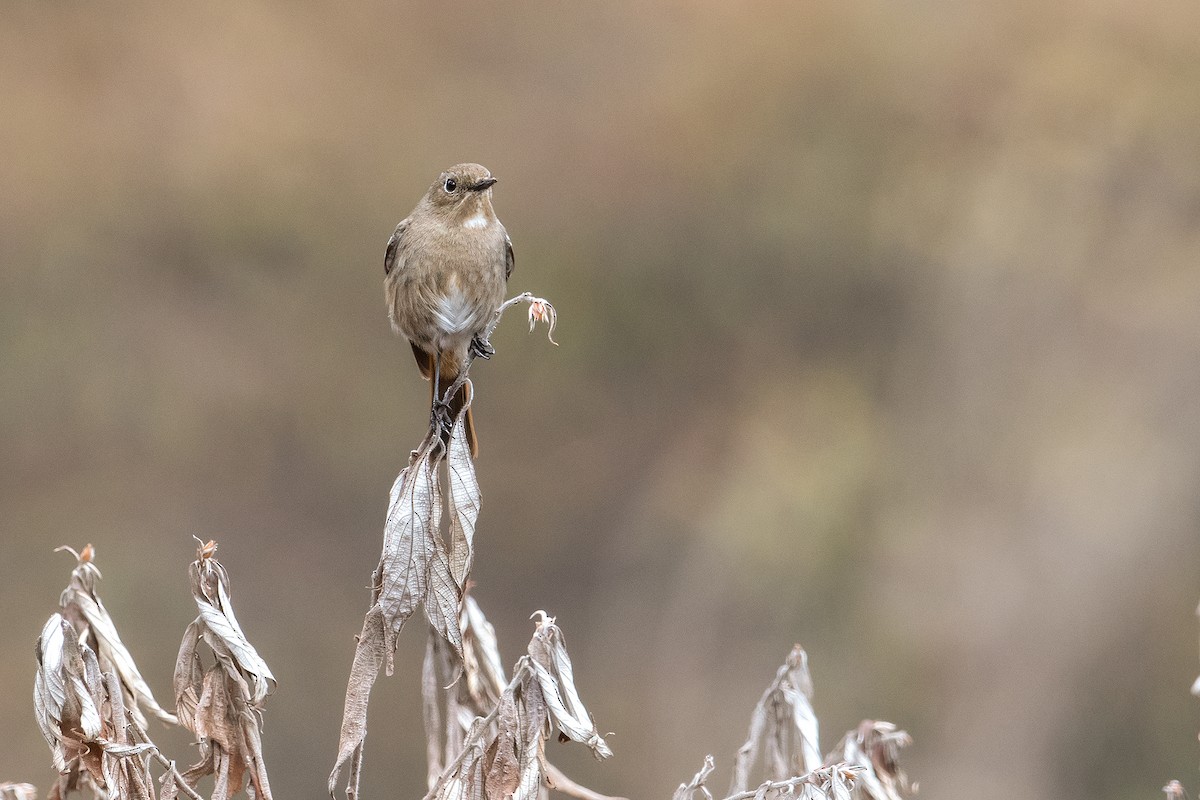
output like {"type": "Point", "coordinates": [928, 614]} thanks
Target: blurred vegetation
{"type": "Point", "coordinates": [878, 332]}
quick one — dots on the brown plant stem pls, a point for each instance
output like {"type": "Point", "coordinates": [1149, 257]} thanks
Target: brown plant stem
{"type": "Point", "coordinates": [561, 783]}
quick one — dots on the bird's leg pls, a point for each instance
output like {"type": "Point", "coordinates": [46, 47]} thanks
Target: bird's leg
{"type": "Point", "coordinates": [440, 413]}
{"type": "Point", "coordinates": [481, 347]}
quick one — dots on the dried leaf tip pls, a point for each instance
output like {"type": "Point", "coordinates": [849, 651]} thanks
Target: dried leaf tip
{"type": "Point", "coordinates": [84, 556]}
{"type": "Point", "coordinates": [542, 619]}
{"type": "Point", "coordinates": [540, 310]}
{"type": "Point", "coordinates": [687, 791]}
{"type": "Point", "coordinates": [205, 550]}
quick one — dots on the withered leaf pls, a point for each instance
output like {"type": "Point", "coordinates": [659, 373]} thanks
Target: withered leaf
{"type": "Point", "coordinates": [873, 748]}
{"type": "Point", "coordinates": [407, 547]}
{"type": "Point", "coordinates": [556, 678]}
{"type": "Point", "coordinates": [80, 601]}
{"type": "Point", "coordinates": [464, 500]}
{"type": "Point", "coordinates": [368, 658]}
{"type": "Point", "coordinates": [400, 583]}
{"type": "Point", "coordinates": [783, 730]}
{"type": "Point", "coordinates": [443, 600]}
{"type": "Point", "coordinates": [533, 739]}
{"type": "Point", "coordinates": [417, 566]}
{"type": "Point", "coordinates": [504, 772]}
{"type": "Point", "coordinates": [783, 734]}
{"type": "Point", "coordinates": [210, 590]}
{"type": "Point", "coordinates": [485, 675]}
{"type": "Point", "coordinates": [221, 703]}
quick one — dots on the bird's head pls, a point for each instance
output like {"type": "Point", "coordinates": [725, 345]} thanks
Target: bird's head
{"type": "Point", "coordinates": [464, 186]}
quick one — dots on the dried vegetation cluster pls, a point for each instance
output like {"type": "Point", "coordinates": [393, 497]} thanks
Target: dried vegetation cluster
{"type": "Point", "coordinates": [486, 729]}
{"type": "Point", "coordinates": [91, 700]}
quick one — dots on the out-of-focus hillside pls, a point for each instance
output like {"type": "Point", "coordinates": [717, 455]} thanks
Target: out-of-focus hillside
{"type": "Point", "coordinates": [878, 332]}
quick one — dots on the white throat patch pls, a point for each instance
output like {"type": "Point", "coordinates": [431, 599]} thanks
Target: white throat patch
{"type": "Point", "coordinates": [480, 220]}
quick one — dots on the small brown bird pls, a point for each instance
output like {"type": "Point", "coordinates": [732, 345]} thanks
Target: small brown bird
{"type": "Point", "coordinates": [446, 269]}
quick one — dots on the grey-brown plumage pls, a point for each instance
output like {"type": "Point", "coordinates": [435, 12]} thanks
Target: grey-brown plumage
{"type": "Point", "coordinates": [445, 271]}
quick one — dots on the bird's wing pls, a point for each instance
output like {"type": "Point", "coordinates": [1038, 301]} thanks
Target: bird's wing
{"type": "Point", "coordinates": [509, 260]}
{"type": "Point", "coordinates": [393, 248]}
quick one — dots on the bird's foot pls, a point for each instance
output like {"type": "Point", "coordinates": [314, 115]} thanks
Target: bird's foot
{"type": "Point", "coordinates": [440, 418]}
{"type": "Point", "coordinates": [482, 348]}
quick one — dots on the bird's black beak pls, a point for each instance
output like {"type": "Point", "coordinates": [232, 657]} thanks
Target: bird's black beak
{"type": "Point", "coordinates": [486, 183]}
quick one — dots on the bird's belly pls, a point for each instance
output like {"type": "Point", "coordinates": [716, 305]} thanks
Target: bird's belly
{"type": "Point", "coordinates": [440, 320]}
{"type": "Point", "coordinates": [456, 319]}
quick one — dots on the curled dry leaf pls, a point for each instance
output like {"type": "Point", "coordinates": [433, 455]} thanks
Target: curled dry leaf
{"type": "Point", "coordinates": [874, 748]}
{"type": "Point", "coordinates": [89, 695]}
{"type": "Point", "coordinates": [222, 702]}
{"type": "Point", "coordinates": [80, 604]}
{"type": "Point", "coordinates": [126, 764]}
{"type": "Point", "coordinates": [503, 753]}
{"type": "Point", "coordinates": [81, 712]}
{"type": "Point", "coordinates": [557, 679]}
{"type": "Point", "coordinates": [398, 585]}
{"type": "Point", "coordinates": [66, 688]}
{"type": "Point", "coordinates": [503, 775]}
{"type": "Point", "coordinates": [463, 500]}
{"type": "Point", "coordinates": [783, 737]}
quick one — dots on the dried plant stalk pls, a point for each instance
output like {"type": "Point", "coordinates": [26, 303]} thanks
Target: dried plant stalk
{"type": "Point", "coordinates": [221, 703]}
{"type": "Point", "coordinates": [783, 735]}
{"type": "Point", "coordinates": [80, 604]}
{"type": "Point", "coordinates": [87, 693]}
{"type": "Point", "coordinates": [783, 728]}
{"type": "Point", "coordinates": [418, 566]}
{"type": "Point", "coordinates": [414, 568]}
{"type": "Point", "coordinates": [482, 689]}
{"type": "Point", "coordinates": [874, 748]}
{"type": "Point", "coordinates": [698, 783]}
{"type": "Point", "coordinates": [502, 755]}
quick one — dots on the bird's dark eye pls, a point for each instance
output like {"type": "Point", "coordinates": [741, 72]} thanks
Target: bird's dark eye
{"type": "Point", "coordinates": [450, 185]}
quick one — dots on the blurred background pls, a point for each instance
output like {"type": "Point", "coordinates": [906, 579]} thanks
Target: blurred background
{"type": "Point", "coordinates": [878, 331]}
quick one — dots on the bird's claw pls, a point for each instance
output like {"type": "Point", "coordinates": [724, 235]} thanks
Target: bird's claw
{"type": "Point", "coordinates": [440, 417]}
{"type": "Point", "coordinates": [482, 348]}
